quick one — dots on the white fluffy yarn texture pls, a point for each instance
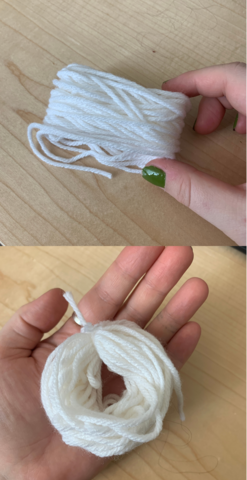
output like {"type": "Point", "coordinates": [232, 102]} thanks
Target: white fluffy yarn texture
{"type": "Point", "coordinates": [122, 124]}
{"type": "Point", "coordinates": [71, 387]}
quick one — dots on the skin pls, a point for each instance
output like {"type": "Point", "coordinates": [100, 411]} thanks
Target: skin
{"type": "Point", "coordinates": [29, 447]}
{"type": "Point", "coordinates": [222, 87]}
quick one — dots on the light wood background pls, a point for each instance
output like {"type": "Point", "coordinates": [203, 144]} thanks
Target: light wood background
{"type": "Point", "coordinates": [144, 41]}
{"type": "Point", "coordinates": [211, 442]}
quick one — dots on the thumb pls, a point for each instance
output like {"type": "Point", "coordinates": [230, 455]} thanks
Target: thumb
{"type": "Point", "coordinates": [221, 204]}
{"type": "Point", "coordinates": [22, 333]}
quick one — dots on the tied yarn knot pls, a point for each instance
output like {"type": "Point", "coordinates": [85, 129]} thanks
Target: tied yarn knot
{"type": "Point", "coordinates": [71, 386]}
{"type": "Point", "coordinates": [118, 122]}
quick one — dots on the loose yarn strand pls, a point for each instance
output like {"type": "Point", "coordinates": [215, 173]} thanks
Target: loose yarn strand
{"type": "Point", "coordinates": [71, 386]}
{"type": "Point", "coordinates": [121, 124]}
{"type": "Point", "coordinates": [69, 297]}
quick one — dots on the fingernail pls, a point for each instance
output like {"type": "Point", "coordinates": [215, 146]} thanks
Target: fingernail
{"type": "Point", "coordinates": [194, 123]}
{"type": "Point", "coordinates": [235, 122]}
{"type": "Point", "coordinates": [154, 175]}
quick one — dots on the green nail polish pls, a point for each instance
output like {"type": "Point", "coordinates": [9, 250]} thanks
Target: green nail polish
{"type": "Point", "coordinates": [194, 123]}
{"type": "Point", "coordinates": [154, 175]}
{"type": "Point", "coordinates": [235, 122]}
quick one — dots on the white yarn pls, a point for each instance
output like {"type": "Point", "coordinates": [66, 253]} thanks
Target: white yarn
{"type": "Point", "coordinates": [123, 124]}
{"type": "Point", "coordinates": [71, 387]}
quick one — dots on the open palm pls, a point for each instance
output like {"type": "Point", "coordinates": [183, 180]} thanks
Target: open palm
{"type": "Point", "coordinates": [30, 448]}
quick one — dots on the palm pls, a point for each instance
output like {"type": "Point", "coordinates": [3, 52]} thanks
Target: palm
{"type": "Point", "coordinates": [38, 445]}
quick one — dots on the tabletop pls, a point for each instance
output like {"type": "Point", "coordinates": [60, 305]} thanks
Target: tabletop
{"type": "Point", "coordinates": [210, 444]}
{"type": "Point", "coordinates": [147, 42]}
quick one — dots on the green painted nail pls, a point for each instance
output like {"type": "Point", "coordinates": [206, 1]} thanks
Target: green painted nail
{"type": "Point", "coordinates": [235, 122]}
{"type": "Point", "coordinates": [154, 175]}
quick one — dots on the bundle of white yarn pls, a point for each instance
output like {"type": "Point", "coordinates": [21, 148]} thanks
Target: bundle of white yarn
{"type": "Point", "coordinates": [71, 386]}
{"type": "Point", "coordinates": [118, 122]}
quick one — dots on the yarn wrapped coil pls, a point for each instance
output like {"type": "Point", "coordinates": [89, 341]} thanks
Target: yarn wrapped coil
{"type": "Point", "coordinates": [118, 122]}
{"type": "Point", "coordinates": [71, 387]}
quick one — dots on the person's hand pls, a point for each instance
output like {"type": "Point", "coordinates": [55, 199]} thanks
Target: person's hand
{"type": "Point", "coordinates": [30, 448]}
{"type": "Point", "coordinates": [222, 87]}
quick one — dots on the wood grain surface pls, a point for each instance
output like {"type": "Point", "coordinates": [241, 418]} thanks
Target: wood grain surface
{"type": "Point", "coordinates": [210, 444]}
{"type": "Point", "coordinates": [144, 41]}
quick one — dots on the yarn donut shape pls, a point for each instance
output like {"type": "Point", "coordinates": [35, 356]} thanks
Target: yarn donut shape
{"type": "Point", "coordinates": [118, 122]}
{"type": "Point", "coordinates": [71, 387]}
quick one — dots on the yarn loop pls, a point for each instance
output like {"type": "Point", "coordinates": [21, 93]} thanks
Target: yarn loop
{"type": "Point", "coordinates": [118, 122]}
{"type": "Point", "coordinates": [71, 387]}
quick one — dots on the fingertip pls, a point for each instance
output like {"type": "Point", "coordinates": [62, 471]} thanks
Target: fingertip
{"type": "Point", "coordinates": [23, 332]}
{"type": "Point", "coordinates": [163, 86]}
{"type": "Point", "coordinates": [176, 84]}
{"type": "Point", "coordinates": [239, 125]}
{"type": "Point", "coordinates": [191, 253]}
{"type": "Point", "coordinates": [188, 252]}
{"type": "Point", "coordinates": [50, 298]}
{"type": "Point", "coordinates": [161, 171]}
{"type": "Point", "coordinates": [45, 311]}
{"type": "Point", "coordinates": [202, 287]}
{"type": "Point", "coordinates": [183, 344]}
{"type": "Point", "coordinates": [167, 85]}
{"type": "Point", "coordinates": [57, 290]}
{"type": "Point", "coordinates": [210, 114]}
{"type": "Point", "coordinates": [196, 329]}
{"type": "Point", "coordinates": [191, 333]}
{"type": "Point", "coordinates": [57, 293]}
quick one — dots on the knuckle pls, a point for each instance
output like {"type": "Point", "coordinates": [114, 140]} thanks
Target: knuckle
{"type": "Point", "coordinates": [127, 268]}
{"type": "Point", "coordinates": [133, 314]}
{"type": "Point", "coordinates": [184, 191]}
{"type": "Point", "coordinates": [240, 64]}
{"type": "Point", "coordinates": [105, 297]}
{"type": "Point", "coordinates": [154, 282]}
{"type": "Point", "coordinates": [168, 323]}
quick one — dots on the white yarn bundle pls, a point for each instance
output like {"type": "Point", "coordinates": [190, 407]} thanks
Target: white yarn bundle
{"type": "Point", "coordinates": [71, 386]}
{"type": "Point", "coordinates": [118, 122]}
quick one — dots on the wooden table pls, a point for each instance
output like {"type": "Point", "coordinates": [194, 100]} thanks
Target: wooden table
{"type": "Point", "coordinates": [144, 41]}
{"type": "Point", "coordinates": [210, 445]}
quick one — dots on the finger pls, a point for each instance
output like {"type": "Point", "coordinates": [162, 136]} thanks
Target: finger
{"type": "Point", "coordinates": [210, 115]}
{"type": "Point", "coordinates": [227, 80]}
{"type": "Point", "coordinates": [183, 344]}
{"type": "Point", "coordinates": [240, 126]}
{"type": "Point", "coordinates": [171, 319]}
{"type": "Point", "coordinates": [104, 300]}
{"type": "Point", "coordinates": [223, 100]}
{"type": "Point", "coordinates": [24, 330]}
{"type": "Point", "coordinates": [221, 204]}
{"type": "Point", "coordinates": [211, 112]}
{"type": "Point", "coordinates": [179, 310]}
{"type": "Point", "coordinates": [106, 297]}
{"type": "Point", "coordinates": [156, 284]}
